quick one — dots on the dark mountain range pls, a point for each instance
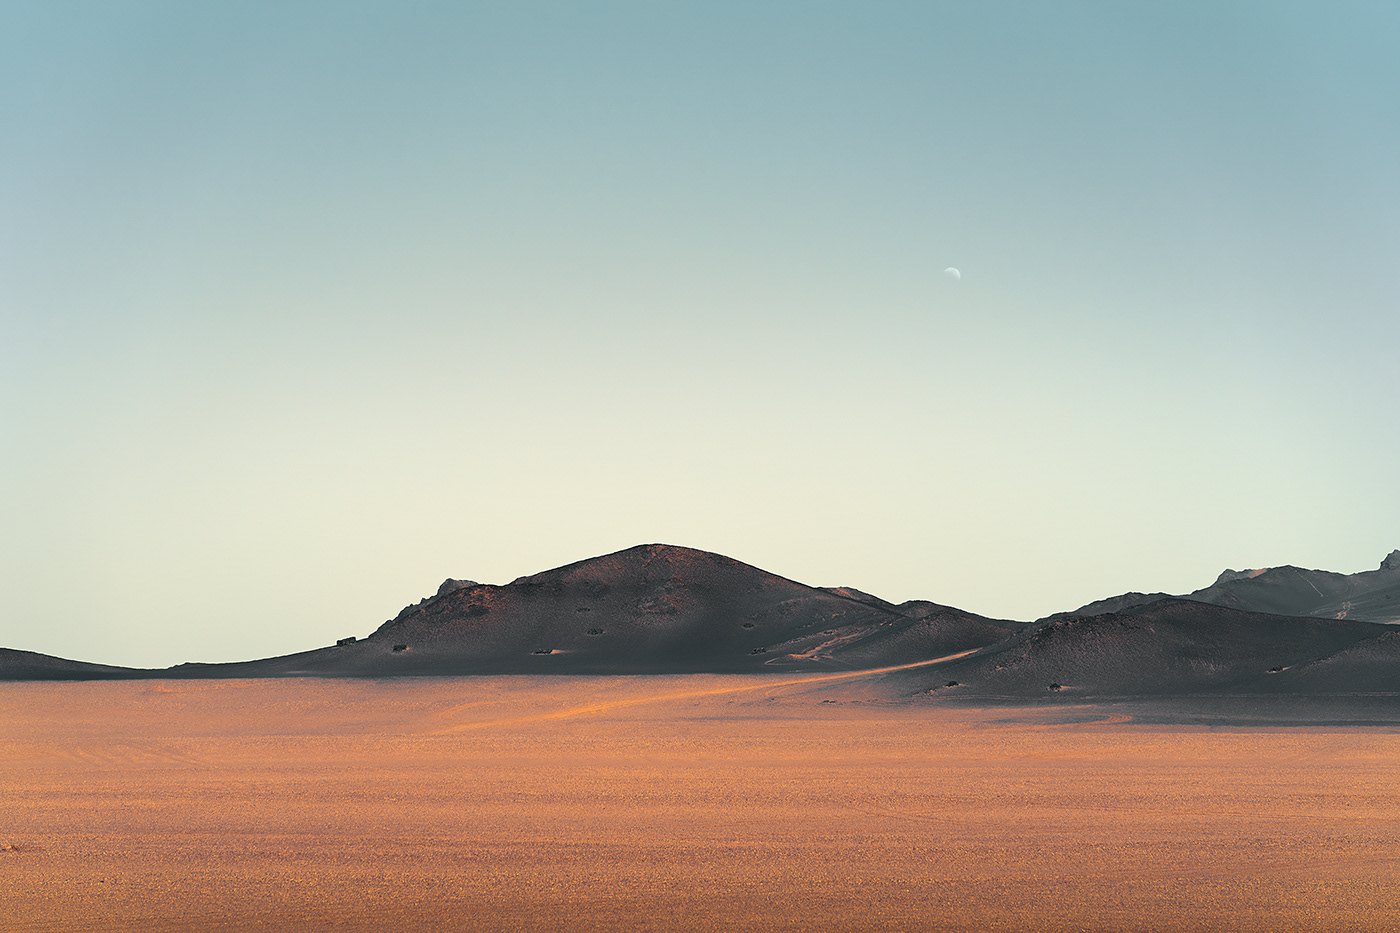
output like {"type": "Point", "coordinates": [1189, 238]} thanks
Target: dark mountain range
{"type": "Point", "coordinates": [1367, 667]}
{"type": "Point", "coordinates": [1368, 596]}
{"type": "Point", "coordinates": [1168, 646]}
{"type": "Point", "coordinates": [649, 609]}
{"type": "Point", "coordinates": [663, 609]}
{"type": "Point", "coordinates": [30, 665]}
{"type": "Point", "coordinates": [655, 608]}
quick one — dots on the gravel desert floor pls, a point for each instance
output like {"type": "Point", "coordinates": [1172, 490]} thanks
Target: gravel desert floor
{"type": "Point", "coordinates": [674, 803]}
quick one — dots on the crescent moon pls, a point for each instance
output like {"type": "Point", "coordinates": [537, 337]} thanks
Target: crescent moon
{"type": "Point", "coordinates": [953, 274]}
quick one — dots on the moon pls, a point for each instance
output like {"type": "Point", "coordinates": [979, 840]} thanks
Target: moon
{"type": "Point", "coordinates": [953, 274]}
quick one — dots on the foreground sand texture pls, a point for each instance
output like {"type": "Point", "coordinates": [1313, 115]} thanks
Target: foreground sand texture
{"type": "Point", "coordinates": [696, 802]}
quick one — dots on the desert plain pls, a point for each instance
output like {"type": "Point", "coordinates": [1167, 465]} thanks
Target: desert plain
{"type": "Point", "coordinates": [680, 802]}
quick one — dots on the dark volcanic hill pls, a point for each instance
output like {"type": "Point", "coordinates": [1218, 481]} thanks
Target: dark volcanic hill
{"type": "Point", "coordinates": [30, 665]}
{"type": "Point", "coordinates": [662, 609]}
{"type": "Point", "coordinates": [1169, 646]}
{"type": "Point", "coordinates": [1366, 667]}
{"type": "Point", "coordinates": [649, 609]}
{"type": "Point", "coordinates": [1368, 596]}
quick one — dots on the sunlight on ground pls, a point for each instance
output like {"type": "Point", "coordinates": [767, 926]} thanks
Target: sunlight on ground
{"type": "Point", "coordinates": [672, 803]}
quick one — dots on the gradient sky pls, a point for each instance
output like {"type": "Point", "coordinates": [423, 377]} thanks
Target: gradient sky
{"type": "Point", "coordinates": [307, 306]}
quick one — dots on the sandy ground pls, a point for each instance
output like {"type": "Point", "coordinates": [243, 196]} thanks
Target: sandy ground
{"type": "Point", "coordinates": [673, 803]}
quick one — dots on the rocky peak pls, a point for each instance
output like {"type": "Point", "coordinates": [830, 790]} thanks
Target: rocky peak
{"type": "Point", "coordinates": [451, 586]}
{"type": "Point", "coordinates": [1227, 575]}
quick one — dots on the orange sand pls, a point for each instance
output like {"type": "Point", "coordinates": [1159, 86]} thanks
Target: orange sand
{"type": "Point", "coordinates": [671, 803]}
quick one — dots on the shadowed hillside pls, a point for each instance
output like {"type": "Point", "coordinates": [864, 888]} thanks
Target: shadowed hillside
{"type": "Point", "coordinates": [662, 609]}
{"type": "Point", "coordinates": [649, 609]}
{"type": "Point", "coordinates": [1368, 596]}
{"type": "Point", "coordinates": [30, 665]}
{"type": "Point", "coordinates": [1169, 646]}
{"type": "Point", "coordinates": [1367, 667]}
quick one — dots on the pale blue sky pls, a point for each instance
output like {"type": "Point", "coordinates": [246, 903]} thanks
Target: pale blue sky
{"type": "Point", "coordinates": [305, 307]}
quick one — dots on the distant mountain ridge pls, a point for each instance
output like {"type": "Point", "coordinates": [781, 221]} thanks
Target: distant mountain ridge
{"type": "Point", "coordinates": [659, 608]}
{"type": "Point", "coordinates": [1367, 596]}
{"type": "Point", "coordinates": [653, 608]}
{"type": "Point", "coordinates": [1171, 646]}
{"type": "Point", "coordinates": [31, 665]}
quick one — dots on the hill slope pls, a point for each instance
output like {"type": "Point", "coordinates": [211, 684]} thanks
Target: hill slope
{"type": "Point", "coordinates": [30, 665]}
{"type": "Point", "coordinates": [1169, 646]}
{"type": "Point", "coordinates": [662, 609]}
{"type": "Point", "coordinates": [1368, 596]}
{"type": "Point", "coordinates": [1366, 667]}
{"type": "Point", "coordinates": [649, 609]}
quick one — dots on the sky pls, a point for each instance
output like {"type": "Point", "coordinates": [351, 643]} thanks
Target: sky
{"type": "Point", "coordinates": [305, 307]}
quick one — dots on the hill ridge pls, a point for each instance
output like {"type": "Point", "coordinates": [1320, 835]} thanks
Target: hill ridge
{"type": "Point", "coordinates": [662, 608]}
